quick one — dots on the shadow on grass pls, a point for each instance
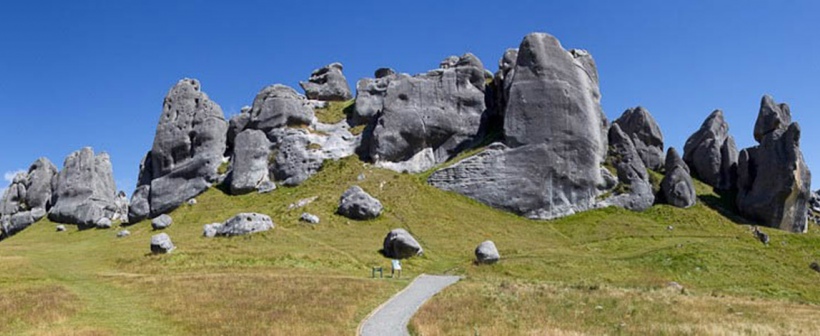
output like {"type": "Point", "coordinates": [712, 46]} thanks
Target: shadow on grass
{"type": "Point", "coordinates": [725, 205]}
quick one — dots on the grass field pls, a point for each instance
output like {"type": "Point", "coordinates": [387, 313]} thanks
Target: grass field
{"type": "Point", "coordinates": [599, 272]}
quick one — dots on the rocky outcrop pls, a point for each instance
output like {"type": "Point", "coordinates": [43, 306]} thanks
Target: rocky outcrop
{"type": "Point", "coordinates": [440, 109]}
{"type": "Point", "coordinates": [187, 151]}
{"type": "Point", "coordinates": [774, 182]}
{"type": "Point", "coordinates": [487, 253]}
{"type": "Point", "coordinates": [355, 203]}
{"type": "Point", "coordinates": [646, 136]}
{"type": "Point", "coordinates": [295, 161]}
{"type": "Point", "coordinates": [122, 203]}
{"type": "Point", "coordinates": [677, 187]}
{"type": "Point", "coordinates": [496, 94]}
{"type": "Point", "coordinates": [29, 190]}
{"type": "Point", "coordinates": [399, 244]}
{"type": "Point", "coordinates": [250, 162]}
{"type": "Point", "coordinates": [161, 244]}
{"type": "Point", "coordinates": [276, 107]}
{"type": "Point", "coordinates": [84, 191]}
{"type": "Point", "coordinates": [711, 153]}
{"type": "Point", "coordinates": [14, 198]}
{"type": "Point", "coordinates": [636, 192]}
{"type": "Point", "coordinates": [327, 83]}
{"type": "Point", "coordinates": [555, 140]}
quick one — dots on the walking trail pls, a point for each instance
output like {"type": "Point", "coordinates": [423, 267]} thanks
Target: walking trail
{"type": "Point", "coordinates": [392, 317]}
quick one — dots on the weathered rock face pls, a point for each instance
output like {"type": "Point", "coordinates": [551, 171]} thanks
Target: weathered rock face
{"type": "Point", "coordinates": [631, 172]}
{"type": "Point", "coordinates": [774, 182]}
{"type": "Point", "coordinates": [711, 153]}
{"type": "Point", "coordinates": [84, 191]}
{"type": "Point", "coordinates": [122, 203]}
{"type": "Point", "coordinates": [370, 98]}
{"type": "Point", "coordinates": [487, 253]}
{"type": "Point", "coordinates": [294, 161]}
{"type": "Point", "coordinates": [496, 96]}
{"type": "Point", "coordinates": [161, 244]}
{"type": "Point", "coordinates": [327, 83]}
{"type": "Point", "coordinates": [38, 183]}
{"type": "Point", "coordinates": [355, 203]}
{"type": "Point", "coordinates": [677, 187]}
{"type": "Point", "coordinates": [309, 218]}
{"type": "Point", "coordinates": [277, 106]}
{"type": "Point", "coordinates": [250, 161]}
{"type": "Point", "coordinates": [554, 133]}
{"type": "Point", "coordinates": [187, 151]}
{"type": "Point", "coordinates": [399, 244]}
{"type": "Point", "coordinates": [244, 224]}
{"type": "Point", "coordinates": [646, 135]}
{"type": "Point", "coordinates": [139, 207]}
{"type": "Point", "coordinates": [14, 197]}
{"type": "Point", "coordinates": [440, 109]}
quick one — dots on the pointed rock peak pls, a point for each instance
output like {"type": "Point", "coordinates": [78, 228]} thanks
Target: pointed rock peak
{"type": "Point", "coordinates": [469, 59]}
{"type": "Point", "coordinates": [507, 61]}
{"type": "Point", "coordinates": [772, 117]}
{"type": "Point", "coordinates": [673, 160]}
{"type": "Point", "coordinates": [715, 121]}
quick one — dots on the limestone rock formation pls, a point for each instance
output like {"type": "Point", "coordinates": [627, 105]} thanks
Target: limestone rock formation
{"type": "Point", "coordinates": [383, 72]}
{"type": "Point", "coordinates": [187, 151]}
{"type": "Point", "coordinates": [355, 203]}
{"type": "Point", "coordinates": [399, 244]}
{"type": "Point", "coordinates": [84, 191]}
{"type": "Point", "coordinates": [646, 135]}
{"type": "Point", "coordinates": [294, 161]}
{"type": "Point", "coordinates": [29, 190]}
{"type": "Point", "coordinates": [677, 187]}
{"type": "Point", "coordinates": [161, 222]}
{"type": "Point", "coordinates": [774, 182]}
{"type": "Point", "coordinates": [638, 195]}
{"type": "Point", "coordinates": [711, 153]}
{"type": "Point", "coordinates": [14, 198]}
{"type": "Point", "coordinates": [277, 106]}
{"type": "Point", "coordinates": [327, 83]}
{"type": "Point", "coordinates": [487, 253]}
{"type": "Point", "coordinates": [104, 223]}
{"type": "Point", "coordinates": [161, 244]}
{"type": "Point", "coordinates": [440, 109]}
{"type": "Point", "coordinates": [555, 138]}
{"type": "Point", "coordinates": [122, 203]}
{"type": "Point", "coordinates": [250, 162]}
{"type": "Point", "coordinates": [244, 224]}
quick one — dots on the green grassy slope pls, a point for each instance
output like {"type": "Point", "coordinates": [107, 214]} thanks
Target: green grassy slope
{"type": "Point", "coordinates": [302, 279]}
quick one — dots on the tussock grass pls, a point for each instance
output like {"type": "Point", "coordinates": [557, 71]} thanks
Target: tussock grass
{"type": "Point", "coordinates": [335, 111]}
{"type": "Point", "coordinates": [301, 279]}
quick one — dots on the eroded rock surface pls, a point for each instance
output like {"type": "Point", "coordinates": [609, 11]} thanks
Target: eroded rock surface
{"type": "Point", "coordinates": [355, 203]}
{"type": "Point", "coordinates": [400, 244]}
{"type": "Point", "coordinates": [487, 253]}
{"type": "Point", "coordinates": [677, 187]}
{"type": "Point", "coordinates": [84, 191]}
{"type": "Point", "coordinates": [711, 153]}
{"type": "Point", "coordinates": [637, 194]}
{"type": "Point", "coordinates": [327, 83]}
{"type": "Point", "coordinates": [646, 136]}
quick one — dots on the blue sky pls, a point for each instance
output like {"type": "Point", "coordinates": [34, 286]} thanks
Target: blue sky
{"type": "Point", "coordinates": [94, 73]}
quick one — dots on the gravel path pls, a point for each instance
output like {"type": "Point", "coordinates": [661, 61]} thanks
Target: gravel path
{"type": "Point", "coordinates": [392, 317]}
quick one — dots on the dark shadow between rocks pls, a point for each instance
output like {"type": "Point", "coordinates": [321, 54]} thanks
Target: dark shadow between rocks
{"type": "Point", "coordinates": [724, 204]}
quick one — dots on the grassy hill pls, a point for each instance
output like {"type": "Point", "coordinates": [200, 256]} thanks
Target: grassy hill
{"type": "Point", "coordinates": [599, 272]}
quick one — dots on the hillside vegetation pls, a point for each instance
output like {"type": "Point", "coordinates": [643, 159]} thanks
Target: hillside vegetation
{"type": "Point", "coordinates": [603, 271]}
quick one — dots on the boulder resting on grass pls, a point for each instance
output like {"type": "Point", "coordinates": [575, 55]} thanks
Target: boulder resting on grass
{"type": "Point", "coordinates": [487, 253]}
{"type": "Point", "coordinates": [399, 244]}
{"type": "Point", "coordinates": [355, 203]}
{"type": "Point", "coordinates": [161, 243]}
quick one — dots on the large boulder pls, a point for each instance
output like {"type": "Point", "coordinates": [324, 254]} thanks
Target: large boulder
{"type": "Point", "coordinates": [250, 161]}
{"type": "Point", "coordinates": [636, 194]}
{"type": "Point", "coordinates": [188, 148]}
{"type": "Point", "coordinates": [161, 222]}
{"type": "Point", "coordinates": [555, 140]}
{"type": "Point", "coordinates": [327, 83]}
{"type": "Point", "coordinates": [399, 244]}
{"type": "Point", "coordinates": [646, 135]}
{"type": "Point", "coordinates": [244, 224]}
{"type": "Point", "coordinates": [295, 161]}
{"type": "Point", "coordinates": [774, 182]}
{"type": "Point", "coordinates": [711, 153]}
{"type": "Point", "coordinates": [355, 203]}
{"type": "Point", "coordinates": [25, 201]}
{"type": "Point", "coordinates": [278, 106]}
{"type": "Point", "coordinates": [84, 191]}
{"type": "Point", "coordinates": [14, 198]}
{"type": "Point", "coordinates": [440, 109]}
{"type": "Point", "coordinates": [38, 183]}
{"type": "Point", "coordinates": [487, 253]}
{"type": "Point", "coordinates": [677, 187]}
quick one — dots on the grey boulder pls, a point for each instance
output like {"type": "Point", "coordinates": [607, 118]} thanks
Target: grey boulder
{"type": "Point", "coordinates": [265, 187]}
{"type": "Point", "coordinates": [637, 194]}
{"type": "Point", "coordinates": [14, 197]}
{"type": "Point", "coordinates": [84, 191]}
{"type": "Point", "coordinates": [60, 228]}
{"type": "Point", "coordinates": [711, 153]}
{"type": "Point", "coordinates": [295, 161]}
{"type": "Point", "coordinates": [646, 136]}
{"type": "Point", "coordinates": [139, 207]}
{"type": "Point", "coordinates": [161, 244]}
{"type": "Point", "coordinates": [440, 109]}
{"type": "Point", "coordinates": [38, 183]}
{"type": "Point", "coordinates": [103, 223]}
{"type": "Point", "coordinates": [245, 224]}
{"type": "Point", "coordinates": [399, 244]}
{"type": "Point", "coordinates": [211, 230]}
{"type": "Point", "coordinates": [250, 161]}
{"type": "Point", "coordinates": [774, 182]}
{"type": "Point", "coordinates": [555, 142]}
{"type": "Point", "coordinates": [189, 143]}
{"type": "Point", "coordinates": [487, 253]}
{"type": "Point", "coordinates": [161, 222]}
{"type": "Point", "coordinates": [355, 203]}
{"type": "Point", "coordinates": [123, 233]}
{"type": "Point", "coordinates": [278, 106]}
{"type": "Point", "coordinates": [327, 83]}
{"type": "Point", "coordinates": [309, 218]}
{"type": "Point", "coordinates": [677, 187]}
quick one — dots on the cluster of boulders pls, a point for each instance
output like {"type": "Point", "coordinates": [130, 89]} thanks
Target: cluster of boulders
{"type": "Point", "coordinates": [551, 151]}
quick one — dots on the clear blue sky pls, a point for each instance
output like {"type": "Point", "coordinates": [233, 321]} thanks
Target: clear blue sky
{"type": "Point", "coordinates": [94, 73]}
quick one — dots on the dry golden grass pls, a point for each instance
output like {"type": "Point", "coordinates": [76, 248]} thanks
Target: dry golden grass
{"type": "Point", "coordinates": [35, 306]}
{"type": "Point", "coordinates": [518, 308]}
